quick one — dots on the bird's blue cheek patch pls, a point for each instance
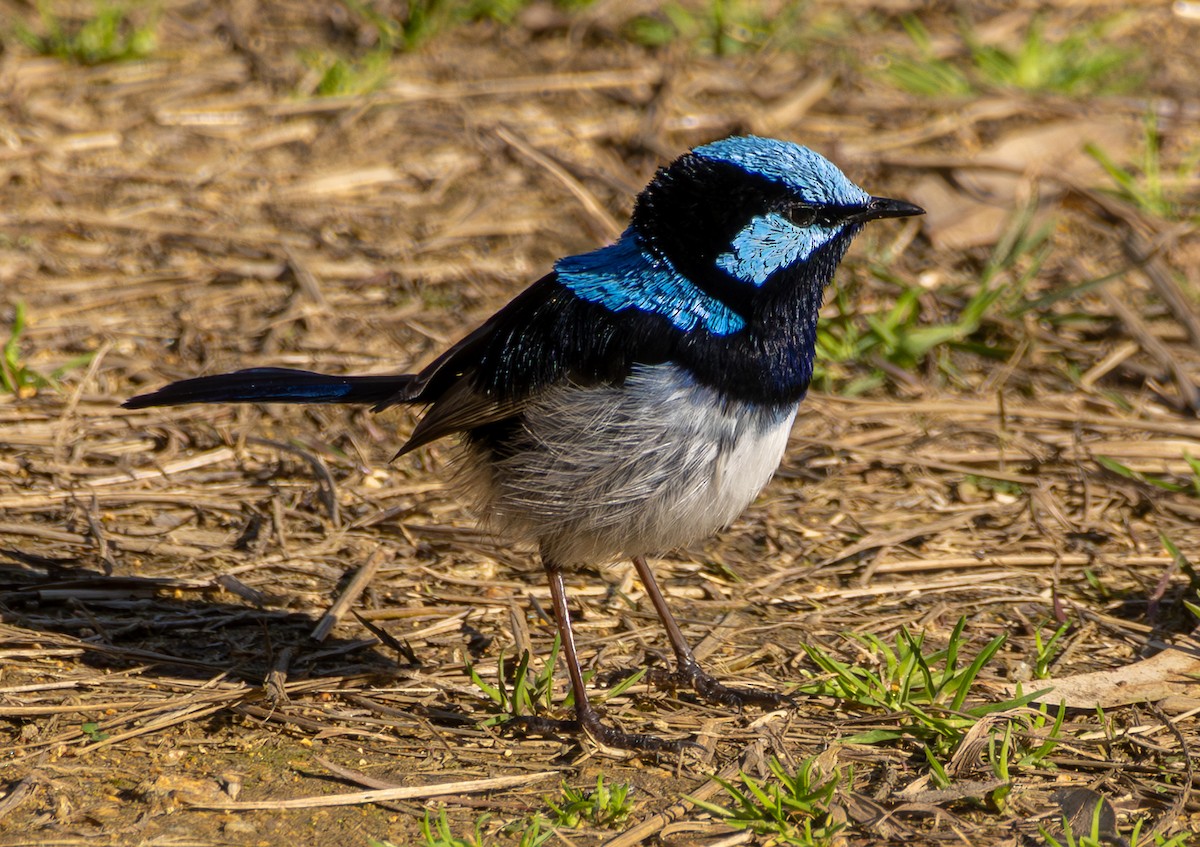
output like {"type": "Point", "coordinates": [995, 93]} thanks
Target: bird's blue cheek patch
{"type": "Point", "coordinates": [768, 244]}
{"type": "Point", "coordinates": [621, 276]}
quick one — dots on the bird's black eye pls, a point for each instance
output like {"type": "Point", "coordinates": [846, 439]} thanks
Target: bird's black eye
{"type": "Point", "coordinates": [800, 215]}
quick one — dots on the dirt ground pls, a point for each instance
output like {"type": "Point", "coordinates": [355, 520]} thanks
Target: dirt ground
{"type": "Point", "coordinates": [1003, 429]}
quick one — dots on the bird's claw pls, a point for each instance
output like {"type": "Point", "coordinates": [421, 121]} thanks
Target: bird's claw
{"type": "Point", "coordinates": [712, 690]}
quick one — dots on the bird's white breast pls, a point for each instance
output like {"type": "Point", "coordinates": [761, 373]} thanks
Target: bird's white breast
{"type": "Point", "coordinates": [605, 472]}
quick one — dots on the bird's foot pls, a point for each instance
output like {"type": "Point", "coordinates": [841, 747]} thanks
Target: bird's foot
{"type": "Point", "coordinates": [690, 675]}
{"type": "Point", "coordinates": [588, 723]}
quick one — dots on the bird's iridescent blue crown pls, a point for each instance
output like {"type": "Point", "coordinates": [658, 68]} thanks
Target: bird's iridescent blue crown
{"type": "Point", "coordinates": [810, 175]}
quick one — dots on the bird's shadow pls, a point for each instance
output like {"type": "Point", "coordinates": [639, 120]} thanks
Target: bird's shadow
{"type": "Point", "coordinates": [176, 628]}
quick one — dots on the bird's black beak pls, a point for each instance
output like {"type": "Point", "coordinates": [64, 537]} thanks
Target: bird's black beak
{"type": "Point", "coordinates": [882, 207]}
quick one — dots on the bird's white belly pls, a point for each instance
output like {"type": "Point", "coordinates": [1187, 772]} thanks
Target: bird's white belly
{"type": "Point", "coordinates": [607, 472]}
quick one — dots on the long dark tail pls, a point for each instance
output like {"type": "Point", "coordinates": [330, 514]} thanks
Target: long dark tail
{"type": "Point", "coordinates": [275, 385]}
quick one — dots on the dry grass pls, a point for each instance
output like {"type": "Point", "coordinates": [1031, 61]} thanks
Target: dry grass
{"type": "Point", "coordinates": [164, 571]}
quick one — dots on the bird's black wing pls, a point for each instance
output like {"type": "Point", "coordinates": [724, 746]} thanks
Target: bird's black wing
{"type": "Point", "coordinates": [544, 336]}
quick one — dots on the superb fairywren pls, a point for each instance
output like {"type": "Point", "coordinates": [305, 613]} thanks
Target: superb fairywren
{"type": "Point", "coordinates": [638, 397]}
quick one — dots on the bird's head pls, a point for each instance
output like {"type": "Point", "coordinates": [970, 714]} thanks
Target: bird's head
{"type": "Point", "coordinates": [739, 214]}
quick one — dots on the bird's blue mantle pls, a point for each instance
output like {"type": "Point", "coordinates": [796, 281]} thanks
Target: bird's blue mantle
{"type": "Point", "coordinates": [623, 276]}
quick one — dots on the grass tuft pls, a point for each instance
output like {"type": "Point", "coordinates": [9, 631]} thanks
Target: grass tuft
{"type": "Point", "coordinates": [791, 808]}
{"type": "Point", "coordinates": [18, 378]}
{"type": "Point", "coordinates": [521, 692]}
{"type": "Point", "coordinates": [112, 34]}
{"type": "Point", "coordinates": [1083, 62]}
{"type": "Point", "coordinates": [607, 806]}
{"type": "Point", "coordinates": [1145, 185]}
{"type": "Point", "coordinates": [341, 76]}
{"type": "Point", "coordinates": [926, 691]}
{"type": "Point", "coordinates": [717, 27]}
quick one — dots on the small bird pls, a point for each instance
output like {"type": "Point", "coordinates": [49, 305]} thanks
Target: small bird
{"type": "Point", "coordinates": [637, 397]}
